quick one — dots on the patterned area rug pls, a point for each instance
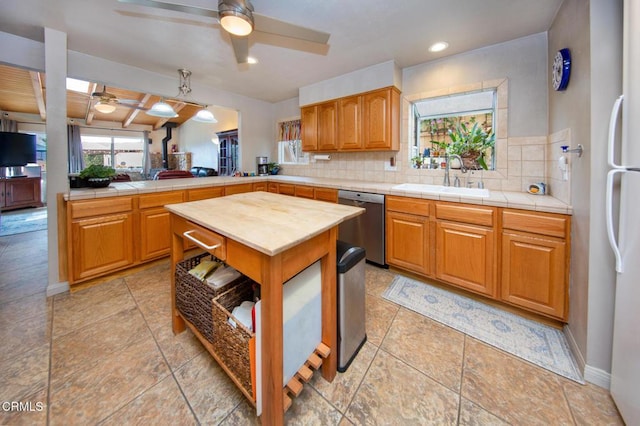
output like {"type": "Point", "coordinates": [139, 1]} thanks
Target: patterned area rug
{"type": "Point", "coordinates": [537, 343]}
{"type": "Point", "coordinates": [20, 221]}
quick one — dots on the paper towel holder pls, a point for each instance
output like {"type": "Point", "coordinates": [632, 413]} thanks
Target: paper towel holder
{"type": "Point", "coordinates": [579, 150]}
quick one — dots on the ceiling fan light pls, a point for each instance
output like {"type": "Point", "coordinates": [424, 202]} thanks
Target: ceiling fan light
{"type": "Point", "coordinates": [105, 108]}
{"type": "Point", "coordinates": [237, 22]}
{"type": "Point", "coordinates": [162, 109]}
{"type": "Point", "coordinates": [205, 116]}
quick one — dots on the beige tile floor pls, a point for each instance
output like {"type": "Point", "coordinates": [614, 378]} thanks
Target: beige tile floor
{"type": "Point", "coordinates": [106, 355]}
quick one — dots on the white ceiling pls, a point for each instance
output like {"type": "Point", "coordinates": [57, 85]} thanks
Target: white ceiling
{"type": "Point", "coordinates": [363, 33]}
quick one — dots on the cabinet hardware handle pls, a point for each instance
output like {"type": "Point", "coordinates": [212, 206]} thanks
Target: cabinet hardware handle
{"type": "Point", "coordinates": [187, 234]}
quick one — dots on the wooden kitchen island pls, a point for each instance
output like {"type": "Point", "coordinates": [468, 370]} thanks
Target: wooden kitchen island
{"type": "Point", "coordinates": [269, 238]}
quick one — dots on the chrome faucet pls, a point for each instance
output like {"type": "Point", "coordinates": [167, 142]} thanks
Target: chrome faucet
{"type": "Point", "coordinates": [447, 159]}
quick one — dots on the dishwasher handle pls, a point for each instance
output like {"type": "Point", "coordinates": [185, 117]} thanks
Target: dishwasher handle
{"type": "Point", "coordinates": [365, 197]}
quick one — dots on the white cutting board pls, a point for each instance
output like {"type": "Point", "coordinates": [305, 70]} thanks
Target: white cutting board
{"type": "Point", "coordinates": [302, 331]}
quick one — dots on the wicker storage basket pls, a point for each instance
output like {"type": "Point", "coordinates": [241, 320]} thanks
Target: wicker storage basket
{"type": "Point", "coordinates": [232, 343]}
{"type": "Point", "coordinates": [193, 296]}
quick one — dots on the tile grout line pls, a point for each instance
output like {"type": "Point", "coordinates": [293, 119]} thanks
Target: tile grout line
{"type": "Point", "coordinates": [172, 373]}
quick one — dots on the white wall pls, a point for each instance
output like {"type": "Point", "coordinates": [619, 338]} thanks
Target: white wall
{"type": "Point", "coordinates": [523, 62]}
{"type": "Point", "coordinates": [197, 138]}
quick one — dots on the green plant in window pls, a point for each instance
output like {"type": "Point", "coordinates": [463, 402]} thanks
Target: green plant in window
{"type": "Point", "coordinates": [473, 143]}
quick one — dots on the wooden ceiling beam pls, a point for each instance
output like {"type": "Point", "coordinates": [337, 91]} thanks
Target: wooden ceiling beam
{"type": "Point", "coordinates": [36, 83]}
{"type": "Point", "coordinates": [134, 112]}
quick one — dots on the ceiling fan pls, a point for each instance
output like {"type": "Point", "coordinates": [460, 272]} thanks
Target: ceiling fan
{"type": "Point", "coordinates": [237, 17]}
{"type": "Point", "coordinates": [106, 102]}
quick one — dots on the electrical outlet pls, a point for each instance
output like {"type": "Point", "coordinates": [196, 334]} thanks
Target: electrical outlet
{"type": "Point", "coordinates": [390, 166]}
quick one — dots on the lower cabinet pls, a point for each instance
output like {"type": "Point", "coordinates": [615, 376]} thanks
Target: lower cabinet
{"type": "Point", "coordinates": [154, 235]}
{"type": "Point", "coordinates": [408, 242]}
{"type": "Point", "coordinates": [521, 259]}
{"type": "Point", "coordinates": [465, 256]}
{"type": "Point", "coordinates": [535, 262]}
{"type": "Point", "coordinates": [100, 244]}
{"type": "Point", "coordinates": [18, 193]}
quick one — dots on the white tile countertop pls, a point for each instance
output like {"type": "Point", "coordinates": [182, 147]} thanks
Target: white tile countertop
{"type": "Point", "coordinates": [517, 200]}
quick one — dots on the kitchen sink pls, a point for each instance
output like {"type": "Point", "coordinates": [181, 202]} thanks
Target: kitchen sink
{"type": "Point", "coordinates": [441, 189]}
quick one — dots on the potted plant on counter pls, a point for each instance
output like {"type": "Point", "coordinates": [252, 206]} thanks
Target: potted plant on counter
{"type": "Point", "coordinates": [472, 145]}
{"type": "Point", "coordinates": [98, 176]}
{"type": "Point", "coordinates": [273, 168]}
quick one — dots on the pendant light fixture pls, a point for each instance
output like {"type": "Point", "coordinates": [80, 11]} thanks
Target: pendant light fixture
{"type": "Point", "coordinates": [236, 16]}
{"type": "Point", "coordinates": [104, 107]}
{"type": "Point", "coordinates": [204, 116]}
{"type": "Point", "coordinates": [162, 109]}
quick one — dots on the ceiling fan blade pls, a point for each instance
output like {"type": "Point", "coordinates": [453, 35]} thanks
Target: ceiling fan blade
{"type": "Point", "coordinates": [240, 48]}
{"type": "Point", "coordinates": [269, 25]}
{"type": "Point", "coordinates": [210, 13]}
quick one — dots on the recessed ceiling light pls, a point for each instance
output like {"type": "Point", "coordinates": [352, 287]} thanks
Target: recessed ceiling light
{"type": "Point", "coordinates": [251, 60]}
{"type": "Point", "coordinates": [439, 46]}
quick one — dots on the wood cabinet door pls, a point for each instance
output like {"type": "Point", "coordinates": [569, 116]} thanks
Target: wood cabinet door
{"type": "Point", "coordinates": [155, 233]}
{"type": "Point", "coordinates": [534, 273]}
{"type": "Point", "coordinates": [465, 256]}
{"type": "Point", "coordinates": [407, 243]}
{"type": "Point", "coordinates": [328, 126]}
{"type": "Point", "coordinates": [101, 244]}
{"type": "Point", "coordinates": [378, 121]}
{"type": "Point", "coordinates": [22, 192]}
{"type": "Point", "coordinates": [309, 128]}
{"type": "Point", "coordinates": [260, 186]}
{"type": "Point", "coordinates": [350, 123]}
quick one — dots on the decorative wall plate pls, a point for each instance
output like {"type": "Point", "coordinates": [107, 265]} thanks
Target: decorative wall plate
{"type": "Point", "coordinates": [561, 69]}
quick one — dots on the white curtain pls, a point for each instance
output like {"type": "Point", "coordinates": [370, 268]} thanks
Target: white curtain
{"type": "Point", "coordinates": [146, 161]}
{"type": "Point", "coordinates": [74, 143]}
{"type": "Point", "coordinates": [7, 125]}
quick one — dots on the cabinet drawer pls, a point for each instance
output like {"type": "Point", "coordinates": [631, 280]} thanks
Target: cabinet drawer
{"type": "Point", "coordinates": [304, 191]}
{"type": "Point", "coordinates": [208, 240]}
{"type": "Point", "coordinates": [326, 194]}
{"type": "Point", "coordinates": [537, 223]}
{"type": "Point", "coordinates": [476, 215]}
{"type": "Point", "coordinates": [204, 193]}
{"type": "Point", "coordinates": [160, 199]}
{"type": "Point", "coordinates": [80, 209]}
{"type": "Point", "coordinates": [286, 189]}
{"type": "Point", "coordinates": [238, 189]}
{"type": "Point", "coordinates": [408, 205]}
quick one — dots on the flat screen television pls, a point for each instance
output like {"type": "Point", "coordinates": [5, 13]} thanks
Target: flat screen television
{"type": "Point", "coordinates": [17, 149]}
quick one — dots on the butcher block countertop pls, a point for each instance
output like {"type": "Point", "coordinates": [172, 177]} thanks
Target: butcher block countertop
{"type": "Point", "coordinates": [267, 222]}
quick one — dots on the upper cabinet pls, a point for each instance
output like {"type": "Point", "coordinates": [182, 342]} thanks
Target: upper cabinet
{"type": "Point", "coordinates": [368, 121]}
{"type": "Point", "coordinates": [380, 120]}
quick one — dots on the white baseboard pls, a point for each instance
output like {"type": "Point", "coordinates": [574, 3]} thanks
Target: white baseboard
{"type": "Point", "coordinates": [57, 288]}
{"type": "Point", "coordinates": [591, 374]}
{"type": "Point", "coordinates": [597, 376]}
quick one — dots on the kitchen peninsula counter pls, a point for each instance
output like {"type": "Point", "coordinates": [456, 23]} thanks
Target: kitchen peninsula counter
{"type": "Point", "coordinates": [510, 199]}
{"type": "Point", "coordinates": [270, 238]}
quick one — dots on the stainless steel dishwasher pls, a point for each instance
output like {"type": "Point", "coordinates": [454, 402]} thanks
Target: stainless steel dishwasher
{"type": "Point", "coordinates": [367, 229]}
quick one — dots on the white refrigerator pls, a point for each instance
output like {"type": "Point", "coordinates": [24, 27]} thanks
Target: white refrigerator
{"type": "Point", "coordinates": [624, 175]}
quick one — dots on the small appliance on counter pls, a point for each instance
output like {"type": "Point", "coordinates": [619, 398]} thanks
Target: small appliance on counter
{"type": "Point", "coordinates": [262, 166]}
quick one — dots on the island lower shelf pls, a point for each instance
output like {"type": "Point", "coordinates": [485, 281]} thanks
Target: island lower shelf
{"type": "Point", "coordinates": [235, 346]}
